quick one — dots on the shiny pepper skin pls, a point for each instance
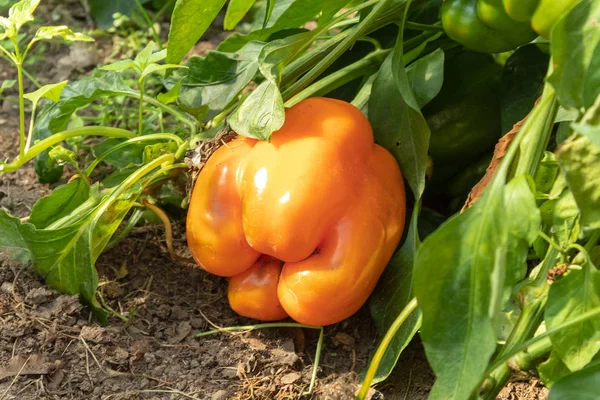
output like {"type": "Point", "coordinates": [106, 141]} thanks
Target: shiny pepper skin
{"type": "Point", "coordinates": [303, 224]}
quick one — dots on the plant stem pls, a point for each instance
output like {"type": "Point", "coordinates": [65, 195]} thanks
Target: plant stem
{"type": "Point", "coordinates": [59, 137]}
{"type": "Point", "coordinates": [137, 139]}
{"type": "Point", "coordinates": [385, 342]}
{"type": "Point", "coordinates": [360, 30]}
{"type": "Point", "coordinates": [365, 66]}
{"type": "Point", "coordinates": [21, 109]}
{"type": "Point", "coordinates": [141, 106]}
{"type": "Point", "coordinates": [534, 303]}
{"type": "Point", "coordinates": [318, 351]}
{"type": "Point", "coordinates": [422, 27]}
{"type": "Point", "coordinates": [534, 144]}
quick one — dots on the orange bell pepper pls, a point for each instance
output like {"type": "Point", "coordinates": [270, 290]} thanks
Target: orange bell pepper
{"type": "Point", "coordinates": [321, 199]}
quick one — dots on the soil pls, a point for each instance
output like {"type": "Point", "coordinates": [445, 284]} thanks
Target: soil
{"type": "Point", "coordinates": [51, 348]}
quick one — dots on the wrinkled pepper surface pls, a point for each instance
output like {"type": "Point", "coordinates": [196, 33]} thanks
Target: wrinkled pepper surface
{"type": "Point", "coordinates": [304, 224]}
{"type": "Point", "coordinates": [494, 26]}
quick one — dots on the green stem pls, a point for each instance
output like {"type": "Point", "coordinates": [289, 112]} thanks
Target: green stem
{"type": "Point", "coordinates": [59, 137]}
{"type": "Point", "coordinates": [30, 133]}
{"type": "Point", "coordinates": [130, 181]}
{"type": "Point", "coordinates": [365, 66]}
{"type": "Point", "coordinates": [534, 303]}
{"type": "Point", "coordinates": [316, 71]}
{"type": "Point", "coordinates": [595, 312]}
{"type": "Point", "coordinates": [385, 342]}
{"type": "Point", "coordinates": [422, 27]}
{"type": "Point", "coordinates": [76, 215]}
{"type": "Point", "coordinates": [180, 116]}
{"type": "Point", "coordinates": [154, 136]}
{"type": "Point", "coordinates": [32, 79]}
{"type": "Point", "coordinates": [21, 109]}
{"type": "Point", "coordinates": [141, 106]}
{"type": "Point", "coordinates": [534, 144]}
{"type": "Point", "coordinates": [318, 351]}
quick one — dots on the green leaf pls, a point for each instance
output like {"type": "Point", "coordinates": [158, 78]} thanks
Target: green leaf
{"type": "Point", "coordinates": [236, 10]}
{"type": "Point", "coordinates": [7, 84]}
{"type": "Point", "coordinates": [361, 101]}
{"type": "Point", "coordinates": [56, 116]}
{"type": "Point", "coordinates": [565, 219]}
{"type": "Point", "coordinates": [190, 19]}
{"type": "Point", "coordinates": [51, 92]}
{"type": "Point", "coordinates": [580, 160]}
{"type": "Point", "coordinates": [143, 57]}
{"type": "Point", "coordinates": [63, 31]}
{"type": "Point", "coordinates": [153, 151]}
{"type": "Point", "coordinates": [286, 14]}
{"type": "Point", "coordinates": [591, 131]}
{"type": "Point", "coordinates": [426, 76]}
{"type": "Point", "coordinates": [22, 13]}
{"type": "Point", "coordinates": [127, 156]}
{"type": "Point", "coordinates": [546, 174]}
{"type": "Point", "coordinates": [218, 78]}
{"type": "Point", "coordinates": [393, 293]}
{"type": "Point", "coordinates": [61, 202]}
{"type": "Point", "coordinates": [63, 257]}
{"type": "Point", "coordinates": [62, 155]}
{"type": "Point", "coordinates": [268, 11]}
{"type": "Point", "coordinates": [459, 281]}
{"type": "Point", "coordinates": [580, 385]}
{"type": "Point", "coordinates": [552, 369]}
{"type": "Point", "coordinates": [261, 114]}
{"type": "Point", "coordinates": [120, 66]}
{"type": "Point", "coordinates": [398, 124]}
{"type": "Point", "coordinates": [330, 8]}
{"type": "Point", "coordinates": [152, 68]}
{"type": "Point", "coordinates": [275, 55]}
{"type": "Point", "coordinates": [522, 83]}
{"type": "Point", "coordinates": [574, 47]}
{"type": "Point", "coordinates": [524, 222]}
{"type": "Point", "coordinates": [171, 95]}
{"type": "Point", "coordinates": [570, 296]}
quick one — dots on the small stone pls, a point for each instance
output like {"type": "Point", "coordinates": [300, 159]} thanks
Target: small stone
{"type": "Point", "coordinates": [219, 395]}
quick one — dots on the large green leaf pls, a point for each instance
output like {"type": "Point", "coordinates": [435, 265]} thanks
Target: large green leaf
{"type": "Point", "coordinates": [236, 10]}
{"type": "Point", "coordinates": [393, 293]}
{"type": "Point", "coordinates": [219, 77]}
{"type": "Point", "coordinates": [22, 12]}
{"type": "Point", "coordinates": [190, 19]}
{"type": "Point", "coordinates": [570, 296]}
{"type": "Point", "coordinates": [581, 385]}
{"type": "Point", "coordinates": [397, 121]}
{"type": "Point", "coordinates": [574, 46]}
{"type": "Point", "coordinates": [524, 223]}
{"type": "Point", "coordinates": [262, 113]}
{"type": "Point", "coordinates": [61, 202]}
{"type": "Point", "coordinates": [459, 281]}
{"type": "Point", "coordinates": [552, 369]}
{"type": "Point", "coordinates": [426, 76]}
{"type": "Point", "coordinates": [63, 257]}
{"type": "Point", "coordinates": [55, 117]}
{"type": "Point", "coordinates": [580, 160]}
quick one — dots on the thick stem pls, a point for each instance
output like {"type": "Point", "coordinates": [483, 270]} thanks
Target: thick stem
{"type": "Point", "coordinates": [359, 31]}
{"type": "Point", "coordinates": [59, 137]}
{"type": "Point", "coordinates": [385, 342]}
{"type": "Point", "coordinates": [141, 106]}
{"type": "Point", "coordinates": [21, 110]}
{"type": "Point", "coordinates": [133, 220]}
{"type": "Point", "coordinates": [363, 67]}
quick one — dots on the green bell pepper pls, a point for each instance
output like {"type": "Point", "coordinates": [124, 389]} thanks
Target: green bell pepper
{"type": "Point", "coordinates": [484, 26]}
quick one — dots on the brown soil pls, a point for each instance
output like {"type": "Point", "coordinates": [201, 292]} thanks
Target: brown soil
{"type": "Point", "coordinates": [50, 348]}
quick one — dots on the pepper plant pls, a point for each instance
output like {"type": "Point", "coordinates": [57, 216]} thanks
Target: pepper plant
{"type": "Point", "coordinates": [508, 285]}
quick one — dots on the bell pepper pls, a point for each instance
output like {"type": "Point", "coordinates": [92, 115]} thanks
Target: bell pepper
{"type": "Point", "coordinates": [548, 13]}
{"type": "Point", "coordinates": [303, 224]}
{"type": "Point", "coordinates": [484, 26]}
{"type": "Point", "coordinates": [520, 10]}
